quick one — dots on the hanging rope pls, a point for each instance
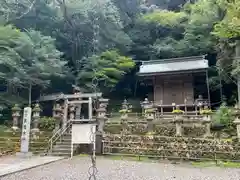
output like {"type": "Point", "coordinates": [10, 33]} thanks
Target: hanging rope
{"type": "Point", "coordinates": [94, 86]}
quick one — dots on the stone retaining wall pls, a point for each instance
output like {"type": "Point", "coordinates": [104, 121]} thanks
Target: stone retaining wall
{"type": "Point", "coordinates": [172, 147]}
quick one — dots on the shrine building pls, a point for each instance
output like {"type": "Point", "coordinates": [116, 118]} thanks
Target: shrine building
{"type": "Point", "coordinates": [173, 80]}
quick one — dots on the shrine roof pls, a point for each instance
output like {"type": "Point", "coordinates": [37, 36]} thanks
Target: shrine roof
{"type": "Point", "coordinates": [194, 63]}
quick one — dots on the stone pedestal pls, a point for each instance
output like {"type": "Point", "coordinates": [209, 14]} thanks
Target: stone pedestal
{"type": "Point", "coordinates": [99, 139]}
{"type": "Point", "coordinates": [207, 123]}
{"type": "Point", "coordinates": [178, 119]}
{"type": "Point", "coordinates": [150, 124]}
{"type": "Point", "coordinates": [101, 120]}
{"type": "Point", "coordinates": [124, 124]}
{"type": "Point", "coordinates": [237, 122]}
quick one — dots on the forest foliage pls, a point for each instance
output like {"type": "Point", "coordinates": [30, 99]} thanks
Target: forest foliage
{"type": "Point", "coordinates": [48, 45]}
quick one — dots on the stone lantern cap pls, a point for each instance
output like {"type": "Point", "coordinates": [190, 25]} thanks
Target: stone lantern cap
{"type": "Point", "coordinates": [102, 108]}
{"type": "Point", "coordinates": [57, 108]}
{"type": "Point", "coordinates": [146, 104]}
{"type": "Point", "coordinates": [126, 105]}
{"type": "Point", "coordinates": [72, 108]}
{"type": "Point", "coordinates": [102, 100]}
{"type": "Point", "coordinates": [16, 108]}
{"type": "Point", "coordinates": [37, 108]}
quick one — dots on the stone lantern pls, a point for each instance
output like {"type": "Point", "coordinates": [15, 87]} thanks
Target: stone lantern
{"type": "Point", "coordinates": [206, 112]}
{"type": "Point", "coordinates": [149, 113]}
{"type": "Point", "coordinates": [126, 108]}
{"type": "Point", "coordinates": [72, 110]}
{"type": "Point", "coordinates": [16, 117]}
{"type": "Point", "coordinates": [237, 120]}
{"type": "Point", "coordinates": [36, 117]}
{"type": "Point", "coordinates": [148, 109]}
{"type": "Point", "coordinates": [178, 120]}
{"type": "Point", "coordinates": [101, 116]}
{"type": "Point", "coordinates": [57, 114]}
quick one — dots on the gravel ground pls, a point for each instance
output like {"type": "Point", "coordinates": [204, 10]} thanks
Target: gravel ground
{"type": "Point", "coordinates": [77, 168]}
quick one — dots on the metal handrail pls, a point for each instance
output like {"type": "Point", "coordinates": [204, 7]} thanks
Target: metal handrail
{"type": "Point", "coordinates": [58, 135]}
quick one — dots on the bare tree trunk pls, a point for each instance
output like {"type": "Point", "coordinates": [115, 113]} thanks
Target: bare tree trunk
{"type": "Point", "coordinates": [30, 94]}
{"type": "Point", "coordinates": [238, 60]}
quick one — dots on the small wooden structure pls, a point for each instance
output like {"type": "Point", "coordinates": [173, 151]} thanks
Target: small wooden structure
{"type": "Point", "coordinates": [73, 102]}
{"type": "Point", "coordinates": [173, 79]}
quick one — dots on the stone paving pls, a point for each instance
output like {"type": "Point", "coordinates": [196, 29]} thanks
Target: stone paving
{"type": "Point", "coordinates": [12, 164]}
{"type": "Point", "coordinates": [77, 169]}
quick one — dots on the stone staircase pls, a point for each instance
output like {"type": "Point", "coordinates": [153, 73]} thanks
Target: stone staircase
{"type": "Point", "coordinates": [62, 147]}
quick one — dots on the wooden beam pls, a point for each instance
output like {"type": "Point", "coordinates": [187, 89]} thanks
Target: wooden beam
{"type": "Point", "coordinates": [78, 102]}
{"type": "Point", "coordinates": [103, 100]}
{"type": "Point", "coordinates": [53, 97]}
{"type": "Point", "coordinates": [82, 120]}
{"type": "Point", "coordinates": [84, 95]}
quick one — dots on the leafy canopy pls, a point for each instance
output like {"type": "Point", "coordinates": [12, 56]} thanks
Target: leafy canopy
{"type": "Point", "coordinates": [28, 57]}
{"type": "Point", "coordinates": [109, 67]}
{"type": "Point", "coordinates": [229, 27]}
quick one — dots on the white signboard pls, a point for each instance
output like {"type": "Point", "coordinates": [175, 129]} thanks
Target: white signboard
{"type": "Point", "coordinates": [82, 133]}
{"type": "Point", "coordinates": [27, 114]}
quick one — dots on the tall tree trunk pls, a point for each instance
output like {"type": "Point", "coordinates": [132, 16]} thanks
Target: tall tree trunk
{"type": "Point", "coordinates": [238, 60]}
{"type": "Point", "coordinates": [30, 94]}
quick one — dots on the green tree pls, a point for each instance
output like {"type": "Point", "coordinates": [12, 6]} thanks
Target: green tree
{"type": "Point", "coordinates": [28, 58]}
{"type": "Point", "coordinates": [187, 32]}
{"type": "Point", "coordinates": [108, 68]}
{"type": "Point", "coordinates": [229, 27]}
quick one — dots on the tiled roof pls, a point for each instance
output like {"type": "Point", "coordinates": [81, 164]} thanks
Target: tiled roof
{"type": "Point", "coordinates": [173, 65]}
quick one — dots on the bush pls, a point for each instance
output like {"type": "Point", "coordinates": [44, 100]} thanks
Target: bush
{"type": "Point", "coordinates": [225, 116]}
{"type": "Point", "coordinates": [47, 123]}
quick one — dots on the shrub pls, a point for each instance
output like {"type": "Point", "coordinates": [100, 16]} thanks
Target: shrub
{"type": "Point", "coordinates": [177, 111]}
{"type": "Point", "coordinates": [206, 112]}
{"type": "Point", "coordinates": [224, 115]}
{"type": "Point", "coordinates": [47, 123]}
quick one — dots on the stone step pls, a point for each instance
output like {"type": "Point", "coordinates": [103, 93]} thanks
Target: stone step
{"type": "Point", "coordinates": [57, 147]}
{"type": "Point", "coordinates": [62, 150]}
{"type": "Point", "coordinates": [63, 146]}
{"type": "Point", "coordinates": [66, 143]}
{"type": "Point", "coordinates": [60, 154]}
{"type": "Point", "coordinates": [64, 140]}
